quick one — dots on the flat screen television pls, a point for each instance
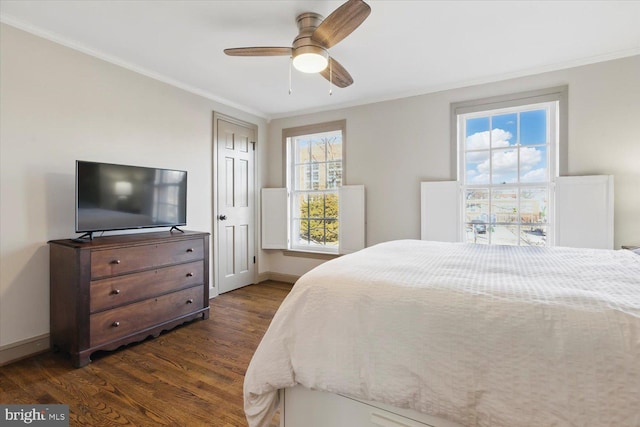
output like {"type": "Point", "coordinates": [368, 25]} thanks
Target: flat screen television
{"type": "Point", "coordinates": [121, 197]}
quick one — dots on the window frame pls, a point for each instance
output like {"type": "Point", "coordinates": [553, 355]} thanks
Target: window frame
{"type": "Point", "coordinates": [556, 154]}
{"type": "Point", "coordinates": [289, 176]}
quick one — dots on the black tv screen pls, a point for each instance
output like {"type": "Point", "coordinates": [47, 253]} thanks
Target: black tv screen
{"type": "Point", "coordinates": [119, 197]}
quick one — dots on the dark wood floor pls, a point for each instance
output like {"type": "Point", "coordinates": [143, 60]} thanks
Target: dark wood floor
{"type": "Point", "coordinates": [190, 376]}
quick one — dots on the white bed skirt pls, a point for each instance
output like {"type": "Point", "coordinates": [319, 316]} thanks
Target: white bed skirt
{"type": "Point", "coordinates": [301, 407]}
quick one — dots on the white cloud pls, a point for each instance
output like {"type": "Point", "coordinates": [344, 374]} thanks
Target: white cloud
{"type": "Point", "coordinates": [529, 158]}
{"type": "Point", "coordinates": [503, 162]}
{"type": "Point", "coordinates": [480, 140]}
{"type": "Point", "coordinates": [506, 161]}
{"type": "Point", "coordinates": [480, 179]}
{"type": "Point", "coordinates": [536, 175]}
{"type": "Point", "coordinates": [478, 157]}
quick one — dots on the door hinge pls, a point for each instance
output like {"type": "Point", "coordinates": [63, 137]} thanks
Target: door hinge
{"type": "Point", "coordinates": [254, 260]}
{"type": "Point", "coordinates": [253, 144]}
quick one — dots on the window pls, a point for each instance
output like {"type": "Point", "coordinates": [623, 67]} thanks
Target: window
{"type": "Point", "coordinates": [315, 165]}
{"type": "Point", "coordinates": [508, 162]}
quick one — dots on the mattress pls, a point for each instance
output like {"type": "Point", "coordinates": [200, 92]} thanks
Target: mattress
{"type": "Point", "coordinates": [478, 335]}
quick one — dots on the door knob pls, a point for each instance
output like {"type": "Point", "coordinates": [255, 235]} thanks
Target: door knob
{"type": "Point", "coordinates": [222, 217]}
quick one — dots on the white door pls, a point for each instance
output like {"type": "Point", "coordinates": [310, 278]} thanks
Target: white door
{"type": "Point", "coordinates": [235, 203]}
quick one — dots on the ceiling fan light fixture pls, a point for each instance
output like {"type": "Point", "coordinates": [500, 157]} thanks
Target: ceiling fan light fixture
{"type": "Point", "coordinates": [310, 59]}
{"type": "Point", "coordinates": [309, 51]}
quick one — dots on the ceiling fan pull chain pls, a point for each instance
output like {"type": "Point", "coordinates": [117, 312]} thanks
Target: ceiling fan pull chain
{"type": "Point", "coordinates": [290, 65]}
{"type": "Point", "coordinates": [330, 77]}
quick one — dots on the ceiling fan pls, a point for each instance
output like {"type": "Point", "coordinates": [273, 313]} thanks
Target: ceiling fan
{"type": "Point", "coordinates": [316, 35]}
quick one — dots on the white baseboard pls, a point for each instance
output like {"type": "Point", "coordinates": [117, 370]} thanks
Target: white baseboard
{"type": "Point", "coordinates": [278, 277]}
{"type": "Point", "coordinates": [23, 349]}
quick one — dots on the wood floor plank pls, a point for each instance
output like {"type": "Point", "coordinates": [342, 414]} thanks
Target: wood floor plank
{"type": "Point", "coordinates": [190, 376]}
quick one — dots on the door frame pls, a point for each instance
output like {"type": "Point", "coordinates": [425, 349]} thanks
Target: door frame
{"type": "Point", "coordinates": [256, 197]}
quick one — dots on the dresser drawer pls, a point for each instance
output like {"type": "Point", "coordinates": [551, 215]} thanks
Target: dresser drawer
{"type": "Point", "coordinates": [114, 324]}
{"type": "Point", "coordinates": [112, 262]}
{"type": "Point", "coordinates": [120, 290]}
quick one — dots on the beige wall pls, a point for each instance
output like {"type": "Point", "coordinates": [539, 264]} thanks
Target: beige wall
{"type": "Point", "coordinates": [392, 146]}
{"type": "Point", "coordinates": [59, 105]}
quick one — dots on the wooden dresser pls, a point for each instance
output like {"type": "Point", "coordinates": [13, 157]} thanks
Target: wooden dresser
{"type": "Point", "coordinates": [116, 290]}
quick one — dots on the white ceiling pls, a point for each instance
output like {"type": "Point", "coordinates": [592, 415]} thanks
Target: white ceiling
{"type": "Point", "coordinates": [404, 48]}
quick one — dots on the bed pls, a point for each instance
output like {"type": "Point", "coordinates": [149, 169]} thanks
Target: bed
{"type": "Point", "coordinates": [464, 334]}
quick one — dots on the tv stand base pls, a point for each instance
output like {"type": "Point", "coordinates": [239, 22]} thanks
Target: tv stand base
{"type": "Point", "coordinates": [86, 237]}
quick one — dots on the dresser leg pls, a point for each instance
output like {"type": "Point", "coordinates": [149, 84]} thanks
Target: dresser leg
{"type": "Point", "coordinates": [81, 359]}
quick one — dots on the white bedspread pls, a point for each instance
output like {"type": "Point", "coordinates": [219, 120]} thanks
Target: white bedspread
{"type": "Point", "coordinates": [479, 335]}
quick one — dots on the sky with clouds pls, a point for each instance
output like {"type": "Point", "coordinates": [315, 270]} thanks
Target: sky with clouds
{"type": "Point", "coordinates": [500, 133]}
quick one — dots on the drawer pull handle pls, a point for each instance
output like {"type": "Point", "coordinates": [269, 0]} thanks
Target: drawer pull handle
{"type": "Point", "coordinates": [115, 261]}
{"type": "Point", "coordinates": [190, 301]}
{"type": "Point", "coordinates": [189, 274]}
{"type": "Point", "coordinates": [190, 250]}
{"type": "Point", "coordinates": [115, 292]}
{"type": "Point", "coordinates": [115, 324]}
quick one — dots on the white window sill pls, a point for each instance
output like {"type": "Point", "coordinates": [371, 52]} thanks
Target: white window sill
{"type": "Point", "coordinates": [310, 254]}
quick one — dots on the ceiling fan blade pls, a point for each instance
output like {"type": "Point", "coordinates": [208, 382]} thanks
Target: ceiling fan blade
{"type": "Point", "coordinates": [337, 74]}
{"type": "Point", "coordinates": [342, 22]}
{"type": "Point", "coordinates": [259, 51]}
